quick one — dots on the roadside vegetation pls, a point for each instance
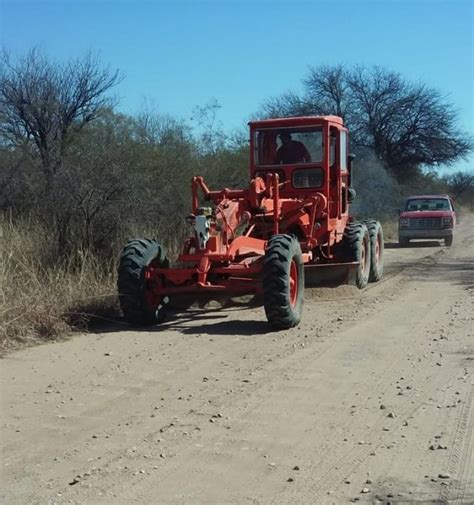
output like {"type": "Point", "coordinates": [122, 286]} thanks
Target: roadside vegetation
{"type": "Point", "coordinates": [78, 178]}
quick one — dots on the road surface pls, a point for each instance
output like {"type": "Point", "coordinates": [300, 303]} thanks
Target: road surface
{"type": "Point", "coordinates": [369, 400]}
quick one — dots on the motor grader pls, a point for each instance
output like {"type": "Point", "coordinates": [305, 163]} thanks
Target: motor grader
{"type": "Point", "coordinates": [292, 220]}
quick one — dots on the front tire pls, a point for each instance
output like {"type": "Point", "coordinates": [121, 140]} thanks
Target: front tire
{"type": "Point", "coordinates": [448, 241]}
{"type": "Point", "coordinates": [139, 305]}
{"type": "Point", "coordinates": [356, 242]}
{"type": "Point", "coordinates": [283, 282]}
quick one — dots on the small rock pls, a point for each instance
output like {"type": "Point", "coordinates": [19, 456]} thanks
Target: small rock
{"type": "Point", "coordinates": [296, 468]}
{"type": "Point", "coordinates": [290, 479]}
{"type": "Point", "coordinates": [444, 476]}
{"type": "Point", "coordinates": [382, 407]}
{"type": "Point", "coordinates": [391, 415]}
{"type": "Point", "coordinates": [368, 481]}
{"type": "Point", "coordinates": [365, 490]}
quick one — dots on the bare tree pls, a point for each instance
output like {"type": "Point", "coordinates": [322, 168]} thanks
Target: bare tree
{"type": "Point", "coordinates": [47, 102]}
{"type": "Point", "coordinates": [327, 89]}
{"type": "Point", "coordinates": [407, 125]}
{"type": "Point", "coordinates": [461, 185]}
{"type": "Point", "coordinates": [210, 130]}
{"type": "Point", "coordinates": [289, 104]}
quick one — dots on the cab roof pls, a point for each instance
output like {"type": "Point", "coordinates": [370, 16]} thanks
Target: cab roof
{"type": "Point", "coordinates": [296, 121]}
{"type": "Point", "coordinates": [427, 197]}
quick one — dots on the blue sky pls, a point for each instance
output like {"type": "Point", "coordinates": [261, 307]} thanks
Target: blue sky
{"type": "Point", "coordinates": [179, 54]}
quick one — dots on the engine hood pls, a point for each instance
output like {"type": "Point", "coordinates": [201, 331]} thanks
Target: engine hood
{"type": "Point", "coordinates": [427, 213]}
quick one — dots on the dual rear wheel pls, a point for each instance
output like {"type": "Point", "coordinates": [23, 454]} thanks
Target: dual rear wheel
{"type": "Point", "coordinates": [363, 242]}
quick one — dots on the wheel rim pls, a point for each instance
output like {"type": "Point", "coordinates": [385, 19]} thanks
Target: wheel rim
{"type": "Point", "coordinates": [152, 299]}
{"type": "Point", "coordinates": [377, 250]}
{"type": "Point", "coordinates": [363, 256]}
{"type": "Point", "coordinates": [293, 283]}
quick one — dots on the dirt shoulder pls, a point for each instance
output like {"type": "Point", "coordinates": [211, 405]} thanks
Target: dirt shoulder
{"type": "Point", "coordinates": [370, 398]}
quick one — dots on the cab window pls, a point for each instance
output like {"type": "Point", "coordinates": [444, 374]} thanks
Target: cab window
{"type": "Point", "coordinates": [285, 146]}
{"type": "Point", "coordinates": [308, 178]}
{"type": "Point", "coordinates": [416, 204]}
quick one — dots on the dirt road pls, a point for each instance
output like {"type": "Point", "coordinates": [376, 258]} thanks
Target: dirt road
{"type": "Point", "coordinates": [369, 400]}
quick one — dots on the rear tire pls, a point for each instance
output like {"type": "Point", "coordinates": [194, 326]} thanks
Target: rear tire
{"type": "Point", "coordinates": [137, 302]}
{"type": "Point", "coordinates": [448, 241]}
{"type": "Point", "coordinates": [376, 250]}
{"type": "Point", "coordinates": [356, 243]}
{"type": "Point", "coordinates": [283, 281]}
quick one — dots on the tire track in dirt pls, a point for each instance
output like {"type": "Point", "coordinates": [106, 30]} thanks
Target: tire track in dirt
{"type": "Point", "coordinates": [259, 384]}
{"type": "Point", "coordinates": [460, 458]}
{"type": "Point", "coordinates": [346, 462]}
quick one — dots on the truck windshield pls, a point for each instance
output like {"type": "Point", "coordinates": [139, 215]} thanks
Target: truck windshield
{"type": "Point", "coordinates": [288, 146]}
{"type": "Point", "coordinates": [428, 204]}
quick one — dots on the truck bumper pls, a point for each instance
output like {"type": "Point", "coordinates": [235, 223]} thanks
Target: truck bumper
{"type": "Point", "coordinates": [425, 234]}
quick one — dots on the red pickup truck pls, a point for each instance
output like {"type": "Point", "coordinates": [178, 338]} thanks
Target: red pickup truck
{"type": "Point", "coordinates": [427, 217]}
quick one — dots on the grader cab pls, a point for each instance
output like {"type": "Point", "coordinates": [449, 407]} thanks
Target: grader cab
{"type": "Point", "coordinates": [292, 220]}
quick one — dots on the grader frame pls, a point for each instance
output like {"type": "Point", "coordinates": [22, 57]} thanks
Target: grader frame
{"type": "Point", "coordinates": [294, 216]}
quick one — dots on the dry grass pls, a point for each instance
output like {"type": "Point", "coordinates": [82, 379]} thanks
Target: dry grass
{"type": "Point", "coordinates": [43, 297]}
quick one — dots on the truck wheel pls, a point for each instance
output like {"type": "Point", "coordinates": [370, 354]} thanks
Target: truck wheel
{"type": "Point", "coordinates": [376, 250]}
{"type": "Point", "coordinates": [137, 300]}
{"type": "Point", "coordinates": [356, 242]}
{"type": "Point", "coordinates": [448, 241]}
{"type": "Point", "coordinates": [403, 242]}
{"type": "Point", "coordinates": [283, 281]}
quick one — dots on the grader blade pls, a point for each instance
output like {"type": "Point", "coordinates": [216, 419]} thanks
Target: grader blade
{"type": "Point", "coordinates": [332, 274]}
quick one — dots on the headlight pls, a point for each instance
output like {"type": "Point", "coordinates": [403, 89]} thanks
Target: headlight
{"type": "Point", "coordinates": [447, 222]}
{"type": "Point", "coordinates": [404, 222]}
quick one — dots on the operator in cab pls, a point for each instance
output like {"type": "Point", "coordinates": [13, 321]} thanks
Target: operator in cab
{"type": "Point", "coordinates": [291, 151]}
